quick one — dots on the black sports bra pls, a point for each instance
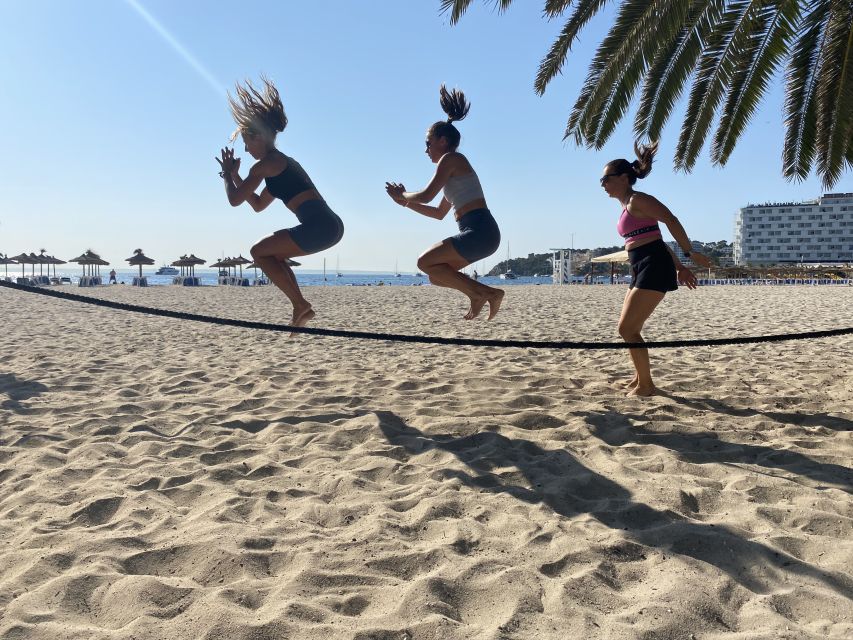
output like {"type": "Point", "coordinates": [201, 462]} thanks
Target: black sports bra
{"type": "Point", "coordinates": [290, 182]}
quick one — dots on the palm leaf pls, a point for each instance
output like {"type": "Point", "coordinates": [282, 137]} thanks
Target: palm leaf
{"type": "Point", "coordinates": [554, 8]}
{"type": "Point", "coordinates": [644, 27]}
{"type": "Point", "coordinates": [553, 61]}
{"type": "Point", "coordinates": [672, 66]}
{"type": "Point", "coordinates": [801, 76]}
{"type": "Point", "coordinates": [458, 7]}
{"type": "Point", "coordinates": [766, 49]}
{"type": "Point", "coordinates": [834, 94]}
{"type": "Point", "coordinates": [715, 69]}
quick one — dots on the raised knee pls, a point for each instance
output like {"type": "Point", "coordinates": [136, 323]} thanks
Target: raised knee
{"type": "Point", "coordinates": [424, 265]}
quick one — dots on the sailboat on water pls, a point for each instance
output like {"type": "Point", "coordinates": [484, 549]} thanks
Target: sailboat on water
{"type": "Point", "coordinates": [338, 273]}
{"type": "Point", "coordinates": [396, 271]}
{"type": "Point", "coordinates": [508, 274]}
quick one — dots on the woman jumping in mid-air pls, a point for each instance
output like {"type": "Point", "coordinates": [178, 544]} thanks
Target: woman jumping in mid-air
{"type": "Point", "coordinates": [260, 116]}
{"type": "Point", "coordinates": [478, 235]}
{"type": "Point", "coordinates": [655, 269]}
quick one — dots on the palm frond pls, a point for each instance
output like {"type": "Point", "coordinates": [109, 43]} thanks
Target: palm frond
{"type": "Point", "coordinates": [767, 45]}
{"type": "Point", "coordinates": [801, 76]}
{"type": "Point", "coordinates": [456, 8]}
{"type": "Point", "coordinates": [625, 68]}
{"type": "Point", "coordinates": [722, 49]}
{"type": "Point", "coordinates": [554, 8]}
{"type": "Point", "coordinates": [556, 56]}
{"type": "Point", "coordinates": [672, 66]}
{"type": "Point", "coordinates": [834, 95]}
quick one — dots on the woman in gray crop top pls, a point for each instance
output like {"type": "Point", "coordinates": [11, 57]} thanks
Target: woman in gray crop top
{"type": "Point", "coordinates": [479, 236]}
{"type": "Point", "coordinates": [260, 117]}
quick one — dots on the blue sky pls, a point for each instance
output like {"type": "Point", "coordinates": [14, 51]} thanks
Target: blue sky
{"type": "Point", "coordinates": [111, 129]}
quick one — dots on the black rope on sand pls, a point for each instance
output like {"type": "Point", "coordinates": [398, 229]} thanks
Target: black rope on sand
{"type": "Point", "coordinates": [393, 337]}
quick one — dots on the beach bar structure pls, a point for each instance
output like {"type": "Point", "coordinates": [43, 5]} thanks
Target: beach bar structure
{"type": "Point", "coordinates": [138, 259]}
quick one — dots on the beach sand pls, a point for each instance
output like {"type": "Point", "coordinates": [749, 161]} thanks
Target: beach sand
{"type": "Point", "coordinates": [164, 479]}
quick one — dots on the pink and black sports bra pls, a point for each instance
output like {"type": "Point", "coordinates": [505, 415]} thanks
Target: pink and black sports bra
{"type": "Point", "coordinates": [632, 228]}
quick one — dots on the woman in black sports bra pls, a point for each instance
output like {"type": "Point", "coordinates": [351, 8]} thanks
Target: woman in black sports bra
{"type": "Point", "coordinates": [260, 116]}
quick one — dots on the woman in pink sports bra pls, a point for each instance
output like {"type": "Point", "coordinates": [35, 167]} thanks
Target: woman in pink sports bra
{"type": "Point", "coordinates": [655, 269]}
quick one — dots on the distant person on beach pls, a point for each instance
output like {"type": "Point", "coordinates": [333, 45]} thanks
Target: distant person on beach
{"type": "Point", "coordinates": [654, 267]}
{"type": "Point", "coordinates": [478, 235]}
{"type": "Point", "coordinates": [112, 277]}
{"type": "Point", "coordinates": [260, 117]}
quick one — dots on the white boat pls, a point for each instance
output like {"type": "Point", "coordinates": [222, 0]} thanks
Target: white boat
{"type": "Point", "coordinates": [166, 270]}
{"type": "Point", "coordinates": [508, 274]}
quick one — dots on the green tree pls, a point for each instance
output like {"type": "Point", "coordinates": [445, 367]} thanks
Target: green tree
{"type": "Point", "coordinates": [728, 50]}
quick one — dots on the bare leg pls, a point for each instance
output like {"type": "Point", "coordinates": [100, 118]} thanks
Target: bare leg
{"type": "Point", "coordinates": [638, 306]}
{"type": "Point", "coordinates": [442, 263]}
{"type": "Point", "coordinates": [270, 255]}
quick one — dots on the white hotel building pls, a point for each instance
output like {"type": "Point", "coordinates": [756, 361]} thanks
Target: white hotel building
{"type": "Point", "coordinates": [792, 232]}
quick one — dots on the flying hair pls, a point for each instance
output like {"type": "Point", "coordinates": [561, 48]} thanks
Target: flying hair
{"type": "Point", "coordinates": [257, 112]}
{"type": "Point", "coordinates": [645, 156]}
{"type": "Point", "coordinates": [639, 168]}
{"type": "Point", "coordinates": [453, 103]}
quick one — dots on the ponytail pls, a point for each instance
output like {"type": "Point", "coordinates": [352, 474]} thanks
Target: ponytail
{"type": "Point", "coordinates": [454, 104]}
{"type": "Point", "coordinates": [641, 167]}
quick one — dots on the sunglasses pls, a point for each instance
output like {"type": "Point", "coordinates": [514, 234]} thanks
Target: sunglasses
{"type": "Point", "coordinates": [427, 145]}
{"type": "Point", "coordinates": [603, 179]}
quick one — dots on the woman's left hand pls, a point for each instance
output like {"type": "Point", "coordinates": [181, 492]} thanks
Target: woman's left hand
{"type": "Point", "coordinates": [700, 259]}
{"type": "Point", "coordinates": [396, 192]}
{"type": "Point", "coordinates": [686, 277]}
{"type": "Point", "coordinates": [227, 161]}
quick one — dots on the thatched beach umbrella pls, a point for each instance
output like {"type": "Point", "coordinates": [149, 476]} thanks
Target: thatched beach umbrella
{"type": "Point", "coordinates": [6, 261]}
{"type": "Point", "coordinates": [55, 261]}
{"type": "Point", "coordinates": [23, 260]}
{"type": "Point", "coordinates": [138, 259]}
{"type": "Point", "coordinates": [194, 260]}
{"type": "Point", "coordinates": [239, 261]}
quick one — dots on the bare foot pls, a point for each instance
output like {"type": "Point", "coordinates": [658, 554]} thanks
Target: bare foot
{"type": "Point", "coordinates": [631, 383]}
{"type": "Point", "coordinates": [477, 304]}
{"type": "Point", "coordinates": [302, 316]}
{"type": "Point", "coordinates": [643, 390]}
{"type": "Point", "coordinates": [495, 300]}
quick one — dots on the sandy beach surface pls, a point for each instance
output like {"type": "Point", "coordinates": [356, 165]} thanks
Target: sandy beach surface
{"type": "Point", "coordinates": [164, 479]}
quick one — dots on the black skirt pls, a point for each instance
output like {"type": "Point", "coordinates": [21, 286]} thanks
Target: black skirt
{"type": "Point", "coordinates": [652, 267]}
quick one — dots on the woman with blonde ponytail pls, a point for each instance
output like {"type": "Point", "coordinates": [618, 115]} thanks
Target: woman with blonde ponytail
{"type": "Point", "coordinates": [260, 117]}
{"type": "Point", "coordinates": [655, 269]}
{"type": "Point", "coordinates": [479, 236]}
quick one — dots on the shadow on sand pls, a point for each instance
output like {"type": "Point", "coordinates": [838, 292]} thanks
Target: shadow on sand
{"type": "Point", "coordinates": [559, 481]}
{"type": "Point", "coordinates": [17, 390]}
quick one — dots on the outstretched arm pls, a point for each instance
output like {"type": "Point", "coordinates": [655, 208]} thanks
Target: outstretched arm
{"type": "Point", "coordinates": [645, 206]}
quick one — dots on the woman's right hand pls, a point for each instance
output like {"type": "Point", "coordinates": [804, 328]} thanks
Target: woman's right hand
{"type": "Point", "coordinates": [396, 192]}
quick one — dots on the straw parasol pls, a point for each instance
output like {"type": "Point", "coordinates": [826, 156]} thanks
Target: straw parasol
{"type": "Point", "coordinates": [612, 258]}
{"type": "Point", "coordinates": [6, 261]}
{"type": "Point", "coordinates": [55, 261]}
{"type": "Point", "coordinates": [23, 260]}
{"type": "Point", "coordinates": [239, 261]}
{"type": "Point", "coordinates": [138, 259]}
{"type": "Point", "coordinates": [91, 259]}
